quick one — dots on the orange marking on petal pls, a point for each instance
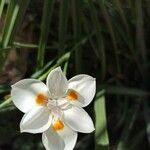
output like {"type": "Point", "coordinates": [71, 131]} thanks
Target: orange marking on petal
{"type": "Point", "coordinates": [58, 125]}
{"type": "Point", "coordinates": [72, 95]}
{"type": "Point", "coordinates": [41, 99]}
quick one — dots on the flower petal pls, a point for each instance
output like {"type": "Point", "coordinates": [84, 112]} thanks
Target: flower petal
{"type": "Point", "coordinates": [25, 91]}
{"type": "Point", "coordinates": [59, 140]}
{"type": "Point", "coordinates": [57, 83]}
{"type": "Point", "coordinates": [79, 120]}
{"type": "Point", "coordinates": [36, 120]}
{"type": "Point", "coordinates": [85, 86]}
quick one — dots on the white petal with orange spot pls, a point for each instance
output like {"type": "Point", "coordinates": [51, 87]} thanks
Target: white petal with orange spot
{"type": "Point", "coordinates": [75, 98]}
{"type": "Point", "coordinates": [85, 86]}
{"type": "Point", "coordinates": [36, 120]}
{"type": "Point", "coordinates": [64, 139]}
{"type": "Point", "coordinates": [24, 93]}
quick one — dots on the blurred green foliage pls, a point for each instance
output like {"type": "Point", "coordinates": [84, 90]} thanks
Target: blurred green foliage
{"type": "Point", "coordinates": [106, 39]}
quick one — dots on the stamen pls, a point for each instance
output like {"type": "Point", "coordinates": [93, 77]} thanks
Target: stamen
{"type": "Point", "coordinates": [41, 99]}
{"type": "Point", "coordinates": [58, 125]}
{"type": "Point", "coordinates": [72, 95]}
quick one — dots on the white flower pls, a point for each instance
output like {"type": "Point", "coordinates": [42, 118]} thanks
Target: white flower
{"type": "Point", "coordinates": [55, 108]}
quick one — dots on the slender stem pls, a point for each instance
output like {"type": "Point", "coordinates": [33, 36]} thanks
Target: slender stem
{"type": "Point", "coordinates": [5, 103]}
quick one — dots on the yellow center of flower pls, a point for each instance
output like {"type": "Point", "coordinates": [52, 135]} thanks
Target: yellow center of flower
{"type": "Point", "coordinates": [41, 99]}
{"type": "Point", "coordinates": [58, 125]}
{"type": "Point", "coordinates": [72, 95]}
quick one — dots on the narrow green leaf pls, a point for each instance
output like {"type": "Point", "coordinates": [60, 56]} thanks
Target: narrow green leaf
{"type": "Point", "coordinates": [41, 71]}
{"type": "Point", "coordinates": [5, 103]}
{"type": "Point", "coordinates": [122, 15]}
{"type": "Point", "coordinates": [99, 37]}
{"type": "Point", "coordinates": [8, 108]}
{"type": "Point", "coordinates": [76, 10]}
{"type": "Point", "coordinates": [88, 30]}
{"type": "Point", "coordinates": [111, 31]}
{"type": "Point", "coordinates": [65, 67]}
{"type": "Point", "coordinates": [4, 88]}
{"type": "Point", "coordinates": [15, 14]}
{"type": "Point", "coordinates": [63, 18]}
{"type": "Point", "coordinates": [45, 25]}
{"type": "Point", "coordinates": [101, 135]}
{"type": "Point", "coordinates": [2, 2]}
{"type": "Point", "coordinates": [59, 62]}
{"type": "Point", "coordinates": [140, 38]}
{"type": "Point", "coordinates": [123, 142]}
{"type": "Point", "coordinates": [30, 46]}
{"type": "Point", "coordinates": [126, 91]}
{"type": "Point", "coordinates": [24, 45]}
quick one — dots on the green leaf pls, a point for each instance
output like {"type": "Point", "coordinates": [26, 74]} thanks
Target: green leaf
{"type": "Point", "coordinates": [63, 18]}
{"type": "Point", "coordinates": [101, 135]}
{"type": "Point", "coordinates": [15, 14]}
{"type": "Point", "coordinates": [76, 13]}
{"type": "Point", "coordinates": [5, 103]}
{"type": "Point", "coordinates": [59, 62]}
{"type": "Point", "coordinates": [4, 88]}
{"type": "Point", "coordinates": [120, 90]}
{"type": "Point", "coordinates": [41, 71]}
{"type": "Point", "coordinates": [45, 25]}
{"type": "Point", "coordinates": [111, 31]}
{"type": "Point", "coordinates": [99, 37]}
{"type": "Point", "coordinates": [2, 2]}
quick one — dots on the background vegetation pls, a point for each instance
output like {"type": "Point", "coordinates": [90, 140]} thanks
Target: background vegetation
{"type": "Point", "coordinates": [106, 39]}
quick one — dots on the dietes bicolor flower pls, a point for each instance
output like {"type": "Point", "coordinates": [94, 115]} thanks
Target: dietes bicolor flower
{"type": "Point", "coordinates": [55, 109]}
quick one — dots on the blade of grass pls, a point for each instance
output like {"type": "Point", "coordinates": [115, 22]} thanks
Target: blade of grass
{"type": "Point", "coordinates": [111, 31]}
{"type": "Point", "coordinates": [140, 41]}
{"type": "Point", "coordinates": [20, 15]}
{"type": "Point", "coordinates": [146, 112]}
{"type": "Point", "coordinates": [77, 33]}
{"type": "Point", "coordinates": [24, 45]}
{"type": "Point", "coordinates": [87, 28]}
{"type": "Point", "coordinates": [45, 25]}
{"type": "Point", "coordinates": [49, 64]}
{"type": "Point", "coordinates": [5, 103]}
{"type": "Point", "coordinates": [59, 62]}
{"type": "Point", "coordinates": [15, 14]}
{"type": "Point", "coordinates": [63, 22]}
{"type": "Point", "coordinates": [65, 67]}
{"type": "Point", "coordinates": [99, 37]}
{"type": "Point", "coordinates": [126, 91]}
{"type": "Point", "coordinates": [101, 135]}
{"type": "Point", "coordinates": [4, 88]}
{"type": "Point", "coordinates": [2, 3]}
{"type": "Point", "coordinates": [122, 35]}
{"type": "Point", "coordinates": [41, 71]}
{"type": "Point", "coordinates": [122, 15]}
{"type": "Point", "coordinates": [8, 108]}
{"type": "Point", "coordinates": [124, 141]}
{"type": "Point", "coordinates": [30, 46]}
